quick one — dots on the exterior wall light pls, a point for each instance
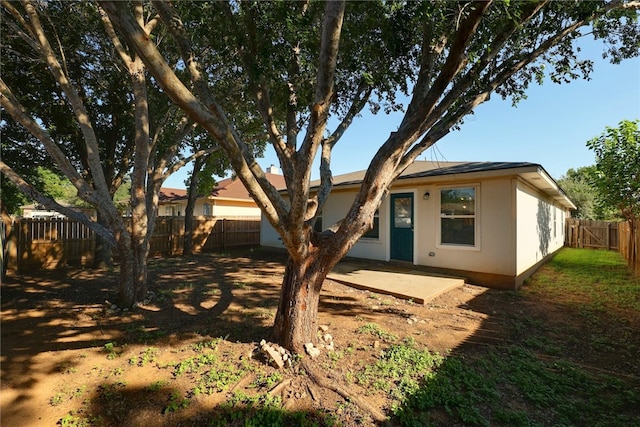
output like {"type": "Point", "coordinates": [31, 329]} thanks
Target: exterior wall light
{"type": "Point", "coordinates": [426, 196]}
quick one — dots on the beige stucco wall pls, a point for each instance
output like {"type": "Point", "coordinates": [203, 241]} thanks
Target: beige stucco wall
{"type": "Point", "coordinates": [494, 249]}
{"type": "Point", "coordinates": [268, 235]}
{"type": "Point", "coordinates": [540, 227]}
{"type": "Point", "coordinates": [220, 208]}
{"type": "Point", "coordinates": [515, 229]}
{"type": "Point", "coordinates": [234, 208]}
{"type": "Point", "coordinates": [334, 210]}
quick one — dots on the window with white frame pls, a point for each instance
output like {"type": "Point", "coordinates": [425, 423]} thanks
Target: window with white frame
{"type": "Point", "coordinates": [458, 216]}
{"type": "Point", "coordinates": [207, 209]}
{"type": "Point", "coordinates": [374, 233]}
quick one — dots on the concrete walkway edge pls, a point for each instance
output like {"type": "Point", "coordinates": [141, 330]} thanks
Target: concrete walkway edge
{"type": "Point", "coordinates": [416, 285]}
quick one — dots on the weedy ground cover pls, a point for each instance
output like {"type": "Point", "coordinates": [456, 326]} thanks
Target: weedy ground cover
{"type": "Point", "coordinates": [581, 307]}
{"type": "Point", "coordinates": [561, 351]}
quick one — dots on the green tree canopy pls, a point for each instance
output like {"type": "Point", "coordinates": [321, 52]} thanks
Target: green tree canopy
{"type": "Point", "coordinates": [300, 63]}
{"type": "Point", "coordinates": [77, 100]}
{"type": "Point", "coordinates": [577, 184]}
{"type": "Point", "coordinates": [617, 169]}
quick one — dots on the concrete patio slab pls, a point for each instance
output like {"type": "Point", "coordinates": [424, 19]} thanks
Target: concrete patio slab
{"type": "Point", "coordinates": [419, 286]}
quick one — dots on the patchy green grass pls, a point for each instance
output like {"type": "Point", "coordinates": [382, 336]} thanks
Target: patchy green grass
{"type": "Point", "coordinates": [536, 378]}
{"type": "Point", "coordinates": [561, 352]}
{"type": "Point", "coordinates": [376, 331]}
{"type": "Point", "coordinates": [398, 370]}
{"type": "Point", "coordinates": [264, 410]}
{"type": "Point", "coordinates": [595, 280]}
{"type": "Point", "coordinates": [512, 386]}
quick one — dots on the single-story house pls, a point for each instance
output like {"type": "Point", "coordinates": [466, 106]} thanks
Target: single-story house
{"type": "Point", "coordinates": [38, 211]}
{"type": "Point", "coordinates": [230, 199]}
{"type": "Point", "coordinates": [493, 223]}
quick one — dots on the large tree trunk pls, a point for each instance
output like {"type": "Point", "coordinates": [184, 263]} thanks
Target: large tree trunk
{"type": "Point", "coordinates": [126, 288]}
{"type": "Point", "coordinates": [102, 255]}
{"type": "Point", "coordinates": [140, 231]}
{"type": "Point", "coordinates": [296, 321]}
{"type": "Point", "coordinates": [632, 260]}
{"type": "Point", "coordinates": [6, 229]}
{"type": "Point", "coordinates": [187, 248]}
{"type": "Point", "coordinates": [140, 269]}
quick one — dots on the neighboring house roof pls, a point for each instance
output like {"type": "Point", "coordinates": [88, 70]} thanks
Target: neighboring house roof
{"type": "Point", "coordinates": [230, 189]}
{"type": "Point", "coordinates": [233, 188]}
{"type": "Point", "coordinates": [355, 178]}
{"type": "Point", "coordinates": [426, 171]}
{"type": "Point", "coordinates": [172, 194]}
{"type": "Point", "coordinates": [41, 211]}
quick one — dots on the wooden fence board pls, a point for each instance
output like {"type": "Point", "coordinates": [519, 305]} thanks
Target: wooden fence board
{"type": "Point", "coordinates": [581, 233]}
{"type": "Point", "coordinates": [50, 243]}
{"type": "Point", "coordinates": [629, 244]}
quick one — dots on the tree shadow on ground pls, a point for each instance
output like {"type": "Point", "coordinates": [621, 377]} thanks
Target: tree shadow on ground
{"type": "Point", "coordinates": [516, 359]}
{"type": "Point", "coordinates": [191, 297]}
{"type": "Point", "coordinates": [111, 405]}
{"type": "Point", "coordinates": [531, 362]}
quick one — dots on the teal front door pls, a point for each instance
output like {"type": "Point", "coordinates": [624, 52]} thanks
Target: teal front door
{"type": "Point", "coordinates": [402, 227]}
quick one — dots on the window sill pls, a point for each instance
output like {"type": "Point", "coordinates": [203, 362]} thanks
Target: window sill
{"type": "Point", "coordinates": [458, 247]}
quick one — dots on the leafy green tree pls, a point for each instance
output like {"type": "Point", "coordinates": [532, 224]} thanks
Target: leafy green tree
{"type": "Point", "coordinates": [301, 63]}
{"type": "Point", "coordinates": [617, 172]}
{"type": "Point", "coordinates": [57, 187]}
{"type": "Point", "coordinates": [74, 94]}
{"type": "Point", "coordinates": [12, 199]}
{"type": "Point", "coordinates": [576, 183]}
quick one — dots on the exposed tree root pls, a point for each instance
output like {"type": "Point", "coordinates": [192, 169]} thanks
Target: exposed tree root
{"type": "Point", "coordinates": [322, 381]}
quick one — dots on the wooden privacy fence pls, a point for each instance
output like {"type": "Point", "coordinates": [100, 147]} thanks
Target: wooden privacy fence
{"type": "Point", "coordinates": [48, 243]}
{"type": "Point", "coordinates": [581, 233]}
{"type": "Point", "coordinates": [209, 234]}
{"type": "Point", "coordinates": [629, 244]}
{"type": "Point", "coordinates": [584, 233]}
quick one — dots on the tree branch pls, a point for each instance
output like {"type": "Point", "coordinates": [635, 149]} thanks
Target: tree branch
{"type": "Point", "coordinates": [331, 30]}
{"type": "Point", "coordinates": [30, 38]}
{"type": "Point", "coordinates": [488, 55]}
{"type": "Point", "coordinates": [185, 161]}
{"type": "Point", "coordinates": [421, 107]}
{"type": "Point", "coordinates": [17, 111]}
{"type": "Point", "coordinates": [210, 117]}
{"type": "Point", "coordinates": [93, 151]}
{"type": "Point", "coordinates": [326, 179]}
{"type": "Point", "coordinates": [174, 23]}
{"type": "Point", "coordinates": [285, 150]}
{"type": "Point", "coordinates": [51, 204]}
{"type": "Point", "coordinates": [115, 40]}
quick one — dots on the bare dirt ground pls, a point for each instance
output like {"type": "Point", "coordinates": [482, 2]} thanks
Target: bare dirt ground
{"type": "Point", "coordinates": [68, 358]}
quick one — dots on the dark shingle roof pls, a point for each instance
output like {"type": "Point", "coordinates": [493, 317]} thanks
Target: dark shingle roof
{"type": "Point", "coordinates": [468, 167]}
{"type": "Point", "coordinates": [531, 172]}
{"type": "Point", "coordinates": [229, 188]}
{"type": "Point", "coordinates": [423, 169]}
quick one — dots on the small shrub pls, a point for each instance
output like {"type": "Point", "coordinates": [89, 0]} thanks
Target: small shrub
{"type": "Point", "coordinates": [176, 402]}
{"type": "Point", "coordinates": [376, 331]}
{"type": "Point", "coordinates": [156, 385]}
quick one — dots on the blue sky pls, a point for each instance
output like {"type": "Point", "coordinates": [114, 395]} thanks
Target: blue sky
{"type": "Point", "coordinates": [550, 127]}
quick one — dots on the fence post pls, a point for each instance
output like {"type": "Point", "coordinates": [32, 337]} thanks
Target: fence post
{"type": "Point", "coordinates": [170, 233]}
{"type": "Point", "coordinates": [222, 236]}
{"type": "Point", "coordinates": [21, 232]}
{"type": "Point", "coordinates": [580, 231]}
{"type": "Point", "coordinates": [13, 253]}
